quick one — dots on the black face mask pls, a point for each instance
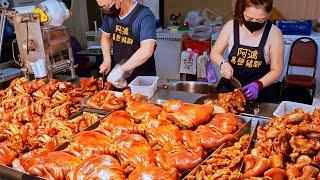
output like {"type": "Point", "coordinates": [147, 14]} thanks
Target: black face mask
{"type": "Point", "coordinates": [113, 12]}
{"type": "Point", "coordinates": [253, 26]}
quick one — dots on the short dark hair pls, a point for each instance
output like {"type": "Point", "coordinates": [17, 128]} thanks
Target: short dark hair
{"type": "Point", "coordinates": [242, 4]}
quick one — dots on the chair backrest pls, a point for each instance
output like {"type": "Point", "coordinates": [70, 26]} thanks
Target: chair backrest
{"type": "Point", "coordinates": [2, 27]}
{"type": "Point", "coordinates": [303, 53]}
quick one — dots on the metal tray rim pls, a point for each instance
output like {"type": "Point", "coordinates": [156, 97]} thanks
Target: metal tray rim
{"type": "Point", "coordinates": [239, 133]}
{"type": "Point", "coordinates": [11, 173]}
{"type": "Point", "coordinates": [95, 110]}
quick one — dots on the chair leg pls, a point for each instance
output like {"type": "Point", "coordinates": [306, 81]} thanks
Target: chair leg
{"type": "Point", "coordinates": [281, 92]}
{"type": "Point", "coordinates": [313, 92]}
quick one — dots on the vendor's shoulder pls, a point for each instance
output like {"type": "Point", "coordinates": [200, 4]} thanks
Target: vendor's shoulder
{"type": "Point", "coordinates": [229, 24]}
{"type": "Point", "coordinates": [146, 10]}
{"type": "Point", "coordinates": [275, 31]}
{"type": "Point", "coordinates": [146, 14]}
{"type": "Point", "coordinates": [228, 27]}
{"type": "Point", "coordinates": [276, 36]}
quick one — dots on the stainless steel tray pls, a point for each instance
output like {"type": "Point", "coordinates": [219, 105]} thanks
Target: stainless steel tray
{"type": "Point", "coordinates": [91, 127]}
{"type": "Point", "coordinates": [8, 173]}
{"type": "Point", "coordinates": [253, 138]}
{"type": "Point", "coordinates": [248, 128]}
{"type": "Point", "coordinates": [93, 110]}
{"type": "Point", "coordinates": [96, 110]}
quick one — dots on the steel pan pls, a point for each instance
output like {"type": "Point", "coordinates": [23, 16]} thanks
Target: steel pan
{"type": "Point", "coordinates": [192, 87]}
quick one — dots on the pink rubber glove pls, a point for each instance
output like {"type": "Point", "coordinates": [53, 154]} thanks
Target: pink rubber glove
{"type": "Point", "coordinates": [251, 91]}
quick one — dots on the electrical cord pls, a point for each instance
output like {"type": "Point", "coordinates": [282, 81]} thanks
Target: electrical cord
{"type": "Point", "coordinates": [18, 62]}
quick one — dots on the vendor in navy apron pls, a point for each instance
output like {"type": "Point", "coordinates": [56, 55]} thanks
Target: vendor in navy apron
{"type": "Point", "coordinates": [256, 49]}
{"type": "Point", "coordinates": [131, 27]}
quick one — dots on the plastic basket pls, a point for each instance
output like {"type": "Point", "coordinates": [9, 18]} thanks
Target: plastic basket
{"type": "Point", "coordinates": [287, 107]}
{"type": "Point", "coordinates": [302, 27]}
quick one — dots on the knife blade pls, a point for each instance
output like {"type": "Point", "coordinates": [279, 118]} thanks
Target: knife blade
{"type": "Point", "coordinates": [236, 83]}
{"type": "Point", "coordinates": [103, 80]}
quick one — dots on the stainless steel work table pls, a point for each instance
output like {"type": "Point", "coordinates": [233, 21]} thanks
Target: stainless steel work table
{"type": "Point", "coordinates": [265, 109]}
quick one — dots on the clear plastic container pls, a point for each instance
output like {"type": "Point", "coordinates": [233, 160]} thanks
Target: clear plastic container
{"type": "Point", "coordinates": [145, 85]}
{"type": "Point", "coordinates": [287, 107]}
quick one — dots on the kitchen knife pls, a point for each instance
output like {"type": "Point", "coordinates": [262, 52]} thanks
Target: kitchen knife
{"type": "Point", "coordinates": [235, 82]}
{"type": "Point", "coordinates": [103, 80]}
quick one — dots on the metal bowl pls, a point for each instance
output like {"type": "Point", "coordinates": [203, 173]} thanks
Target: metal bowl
{"type": "Point", "coordinates": [192, 87]}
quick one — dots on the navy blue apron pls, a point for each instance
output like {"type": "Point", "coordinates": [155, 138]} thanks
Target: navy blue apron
{"type": "Point", "coordinates": [249, 64]}
{"type": "Point", "coordinates": [125, 45]}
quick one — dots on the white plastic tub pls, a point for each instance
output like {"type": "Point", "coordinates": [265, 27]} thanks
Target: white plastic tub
{"type": "Point", "coordinates": [145, 85]}
{"type": "Point", "coordinates": [287, 107]}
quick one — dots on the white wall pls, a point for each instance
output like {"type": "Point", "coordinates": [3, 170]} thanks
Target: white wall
{"type": "Point", "coordinates": [78, 22]}
{"type": "Point", "coordinates": [154, 6]}
{"type": "Point", "coordinates": [220, 7]}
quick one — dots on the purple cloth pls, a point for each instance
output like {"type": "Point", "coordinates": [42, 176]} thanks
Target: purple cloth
{"type": "Point", "coordinates": [202, 79]}
{"type": "Point", "coordinates": [251, 91]}
{"type": "Point", "coordinates": [76, 47]}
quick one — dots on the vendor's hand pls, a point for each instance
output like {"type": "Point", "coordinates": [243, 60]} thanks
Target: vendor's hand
{"type": "Point", "coordinates": [251, 91]}
{"type": "Point", "coordinates": [120, 84]}
{"type": "Point", "coordinates": [226, 70]}
{"type": "Point", "coordinates": [104, 68]}
{"type": "Point", "coordinates": [116, 77]}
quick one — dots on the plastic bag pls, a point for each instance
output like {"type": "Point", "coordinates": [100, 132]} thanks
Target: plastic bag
{"type": "Point", "coordinates": [211, 74]}
{"type": "Point", "coordinates": [56, 11]}
{"type": "Point", "coordinates": [208, 16]}
{"type": "Point", "coordinates": [193, 18]}
{"type": "Point", "coordinates": [189, 61]}
{"type": "Point", "coordinates": [201, 33]}
{"type": "Point", "coordinates": [201, 67]}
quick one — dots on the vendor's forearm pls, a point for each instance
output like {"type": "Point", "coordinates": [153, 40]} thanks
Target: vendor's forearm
{"type": "Point", "coordinates": [106, 48]}
{"type": "Point", "coordinates": [220, 45]}
{"type": "Point", "coordinates": [140, 56]}
{"type": "Point", "coordinates": [136, 60]}
{"type": "Point", "coordinates": [270, 78]}
{"type": "Point", "coordinates": [217, 58]}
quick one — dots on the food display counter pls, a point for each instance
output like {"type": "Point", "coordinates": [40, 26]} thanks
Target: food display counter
{"type": "Point", "coordinates": [45, 133]}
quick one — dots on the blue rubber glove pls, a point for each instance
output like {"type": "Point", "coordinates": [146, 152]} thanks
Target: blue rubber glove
{"type": "Point", "coordinates": [251, 91]}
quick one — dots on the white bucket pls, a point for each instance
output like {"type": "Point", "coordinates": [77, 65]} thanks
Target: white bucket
{"type": "Point", "coordinates": [39, 68]}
